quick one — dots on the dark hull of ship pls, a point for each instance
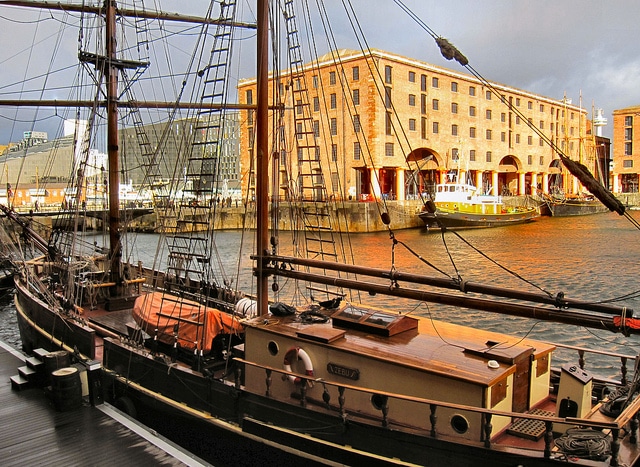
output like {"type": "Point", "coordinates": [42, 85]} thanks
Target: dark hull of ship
{"type": "Point", "coordinates": [461, 220]}
{"type": "Point", "coordinates": [572, 208]}
{"type": "Point", "coordinates": [225, 425]}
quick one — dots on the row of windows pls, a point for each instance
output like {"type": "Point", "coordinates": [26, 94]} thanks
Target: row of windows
{"type": "Point", "coordinates": [389, 152]}
{"type": "Point", "coordinates": [435, 83]}
{"type": "Point", "coordinates": [435, 105]}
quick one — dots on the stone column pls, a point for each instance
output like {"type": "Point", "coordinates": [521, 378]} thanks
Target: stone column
{"type": "Point", "coordinates": [534, 183]}
{"type": "Point", "coordinates": [616, 183]}
{"type": "Point", "coordinates": [479, 181]}
{"type": "Point", "coordinates": [545, 183]}
{"type": "Point", "coordinates": [521, 187]}
{"type": "Point", "coordinates": [375, 183]}
{"type": "Point", "coordinates": [462, 176]}
{"type": "Point", "coordinates": [400, 188]}
{"type": "Point", "coordinates": [494, 183]}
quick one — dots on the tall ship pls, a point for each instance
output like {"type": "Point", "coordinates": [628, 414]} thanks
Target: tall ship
{"type": "Point", "coordinates": [285, 351]}
{"type": "Point", "coordinates": [567, 196]}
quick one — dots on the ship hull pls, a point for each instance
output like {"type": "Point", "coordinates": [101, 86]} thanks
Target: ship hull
{"type": "Point", "coordinates": [462, 220]}
{"type": "Point", "coordinates": [572, 208]}
{"type": "Point", "coordinates": [222, 423]}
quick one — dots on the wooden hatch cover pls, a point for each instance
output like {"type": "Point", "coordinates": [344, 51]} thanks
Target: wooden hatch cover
{"type": "Point", "coordinates": [373, 320]}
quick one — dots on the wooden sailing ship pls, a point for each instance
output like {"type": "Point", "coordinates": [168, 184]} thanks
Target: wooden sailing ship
{"type": "Point", "coordinates": [332, 380]}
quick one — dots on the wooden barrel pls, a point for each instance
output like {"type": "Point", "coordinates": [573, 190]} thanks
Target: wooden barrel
{"type": "Point", "coordinates": [55, 360]}
{"type": "Point", "coordinates": [66, 389]}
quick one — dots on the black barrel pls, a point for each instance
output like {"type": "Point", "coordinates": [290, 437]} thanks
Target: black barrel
{"type": "Point", "coordinates": [66, 389]}
{"type": "Point", "coordinates": [55, 360]}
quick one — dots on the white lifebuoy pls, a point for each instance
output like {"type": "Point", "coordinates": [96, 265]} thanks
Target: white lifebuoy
{"type": "Point", "coordinates": [295, 354]}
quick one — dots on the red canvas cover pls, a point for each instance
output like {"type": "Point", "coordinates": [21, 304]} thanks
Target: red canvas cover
{"type": "Point", "coordinates": [151, 313]}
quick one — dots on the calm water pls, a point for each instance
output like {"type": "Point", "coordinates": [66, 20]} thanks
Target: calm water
{"type": "Point", "coordinates": [593, 258]}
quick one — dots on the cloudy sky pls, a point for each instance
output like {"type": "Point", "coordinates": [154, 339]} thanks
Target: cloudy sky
{"type": "Point", "coordinates": [549, 47]}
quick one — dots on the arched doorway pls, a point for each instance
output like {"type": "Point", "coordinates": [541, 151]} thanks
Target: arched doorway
{"type": "Point", "coordinates": [556, 179]}
{"type": "Point", "coordinates": [508, 176]}
{"type": "Point", "coordinates": [422, 176]}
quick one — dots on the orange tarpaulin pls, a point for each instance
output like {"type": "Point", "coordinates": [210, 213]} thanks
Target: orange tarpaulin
{"type": "Point", "coordinates": [151, 312]}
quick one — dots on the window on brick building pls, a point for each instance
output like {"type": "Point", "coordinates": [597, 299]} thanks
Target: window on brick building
{"type": "Point", "coordinates": [388, 149]}
{"type": "Point", "coordinates": [356, 123]}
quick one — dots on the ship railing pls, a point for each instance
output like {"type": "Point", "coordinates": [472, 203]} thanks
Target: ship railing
{"type": "Point", "coordinates": [582, 362]}
{"type": "Point", "coordinates": [627, 420]}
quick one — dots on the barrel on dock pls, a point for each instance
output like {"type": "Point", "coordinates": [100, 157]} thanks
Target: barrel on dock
{"type": "Point", "coordinates": [66, 389]}
{"type": "Point", "coordinates": [55, 360]}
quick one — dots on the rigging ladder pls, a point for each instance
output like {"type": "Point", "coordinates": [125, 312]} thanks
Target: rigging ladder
{"type": "Point", "coordinates": [315, 207]}
{"type": "Point", "coordinates": [189, 261]}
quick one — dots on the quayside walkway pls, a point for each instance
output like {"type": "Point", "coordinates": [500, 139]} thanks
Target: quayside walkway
{"type": "Point", "coordinates": [32, 432]}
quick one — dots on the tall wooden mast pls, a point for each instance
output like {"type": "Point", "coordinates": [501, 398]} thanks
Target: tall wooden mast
{"type": "Point", "coordinates": [262, 155]}
{"type": "Point", "coordinates": [115, 250]}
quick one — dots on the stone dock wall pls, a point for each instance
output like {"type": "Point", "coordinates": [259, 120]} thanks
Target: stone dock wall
{"type": "Point", "coordinates": [352, 216]}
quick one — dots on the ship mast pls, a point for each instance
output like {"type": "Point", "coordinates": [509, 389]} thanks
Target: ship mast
{"type": "Point", "coordinates": [262, 156]}
{"type": "Point", "coordinates": [115, 247]}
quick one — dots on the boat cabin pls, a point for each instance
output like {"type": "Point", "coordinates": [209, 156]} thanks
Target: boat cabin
{"type": "Point", "coordinates": [399, 355]}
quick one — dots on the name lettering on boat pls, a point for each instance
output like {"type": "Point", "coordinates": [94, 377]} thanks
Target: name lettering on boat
{"type": "Point", "coordinates": [339, 370]}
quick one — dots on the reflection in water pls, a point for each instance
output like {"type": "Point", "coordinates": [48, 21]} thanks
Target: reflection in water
{"type": "Point", "coordinates": [591, 258]}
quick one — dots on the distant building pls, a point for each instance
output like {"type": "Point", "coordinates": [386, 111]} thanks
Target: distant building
{"type": "Point", "coordinates": [626, 149]}
{"type": "Point", "coordinates": [41, 162]}
{"type": "Point", "coordinates": [172, 144]}
{"type": "Point", "coordinates": [151, 153]}
{"type": "Point", "coordinates": [452, 122]}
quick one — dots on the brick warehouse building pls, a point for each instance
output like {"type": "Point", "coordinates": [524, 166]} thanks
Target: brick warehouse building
{"type": "Point", "coordinates": [626, 149]}
{"type": "Point", "coordinates": [451, 122]}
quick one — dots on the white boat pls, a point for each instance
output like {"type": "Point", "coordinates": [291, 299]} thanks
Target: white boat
{"type": "Point", "coordinates": [462, 206]}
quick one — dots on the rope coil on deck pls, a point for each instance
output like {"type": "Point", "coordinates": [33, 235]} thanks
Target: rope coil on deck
{"type": "Point", "coordinates": [585, 444]}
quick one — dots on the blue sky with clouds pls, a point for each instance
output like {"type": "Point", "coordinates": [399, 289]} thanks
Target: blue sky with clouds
{"type": "Point", "coordinates": [549, 47]}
